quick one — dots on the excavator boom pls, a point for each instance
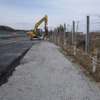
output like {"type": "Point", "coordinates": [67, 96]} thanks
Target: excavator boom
{"type": "Point", "coordinates": [38, 23]}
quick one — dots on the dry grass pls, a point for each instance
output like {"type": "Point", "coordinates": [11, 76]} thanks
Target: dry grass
{"type": "Point", "coordinates": [81, 58]}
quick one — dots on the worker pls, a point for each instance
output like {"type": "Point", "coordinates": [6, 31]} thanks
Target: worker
{"type": "Point", "coordinates": [45, 33]}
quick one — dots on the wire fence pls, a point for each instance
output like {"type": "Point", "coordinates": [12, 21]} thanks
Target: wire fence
{"type": "Point", "coordinates": [81, 41]}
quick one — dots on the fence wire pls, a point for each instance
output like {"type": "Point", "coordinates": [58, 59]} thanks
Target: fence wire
{"type": "Point", "coordinates": [64, 37]}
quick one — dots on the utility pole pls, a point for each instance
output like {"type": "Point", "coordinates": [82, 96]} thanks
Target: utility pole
{"type": "Point", "coordinates": [87, 36]}
{"type": "Point", "coordinates": [73, 33]}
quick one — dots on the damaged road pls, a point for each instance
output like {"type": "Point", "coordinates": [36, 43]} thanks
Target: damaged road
{"type": "Point", "coordinates": [46, 74]}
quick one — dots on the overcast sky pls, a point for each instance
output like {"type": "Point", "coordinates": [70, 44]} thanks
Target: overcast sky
{"type": "Point", "coordinates": [23, 14]}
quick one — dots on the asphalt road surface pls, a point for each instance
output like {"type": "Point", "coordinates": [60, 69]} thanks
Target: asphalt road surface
{"type": "Point", "coordinates": [46, 74]}
{"type": "Point", "coordinates": [11, 52]}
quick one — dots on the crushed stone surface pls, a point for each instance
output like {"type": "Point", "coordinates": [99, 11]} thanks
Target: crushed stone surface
{"type": "Point", "coordinates": [46, 74]}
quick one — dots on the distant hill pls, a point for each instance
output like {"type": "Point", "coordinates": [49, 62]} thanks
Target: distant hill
{"type": "Point", "coordinates": [6, 28]}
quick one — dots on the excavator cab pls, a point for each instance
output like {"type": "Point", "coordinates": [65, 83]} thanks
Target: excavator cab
{"type": "Point", "coordinates": [40, 32]}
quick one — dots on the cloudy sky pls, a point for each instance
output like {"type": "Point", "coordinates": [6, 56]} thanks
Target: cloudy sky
{"type": "Point", "coordinates": [23, 14]}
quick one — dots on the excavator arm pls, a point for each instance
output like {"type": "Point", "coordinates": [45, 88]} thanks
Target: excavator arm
{"type": "Point", "coordinates": [38, 23]}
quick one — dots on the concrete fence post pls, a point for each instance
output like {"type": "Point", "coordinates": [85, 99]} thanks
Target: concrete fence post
{"type": "Point", "coordinates": [65, 36]}
{"type": "Point", "coordinates": [95, 60]}
{"type": "Point", "coordinates": [58, 36]}
{"type": "Point", "coordinates": [87, 36]}
{"type": "Point", "coordinates": [73, 33]}
{"type": "Point", "coordinates": [74, 48]}
{"type": "Point", "coordinates": [52, 36]}
{"type": "Point", "coordinates": [55, 35]}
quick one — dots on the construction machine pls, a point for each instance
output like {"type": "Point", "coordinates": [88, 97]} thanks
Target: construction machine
{"type": "Point", "coordinates": [37, 32]}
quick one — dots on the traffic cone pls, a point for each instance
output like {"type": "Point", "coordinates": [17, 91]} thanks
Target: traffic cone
{"type": "Point", "coordinates": [12, 40]}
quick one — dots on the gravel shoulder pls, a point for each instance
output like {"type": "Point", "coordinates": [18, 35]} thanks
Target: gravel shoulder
{"type": "Point", "coordinates": [46, 74]}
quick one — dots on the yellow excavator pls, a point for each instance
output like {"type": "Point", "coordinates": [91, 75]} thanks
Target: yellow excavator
{"type": "Point", "coordinates": [36, 32]}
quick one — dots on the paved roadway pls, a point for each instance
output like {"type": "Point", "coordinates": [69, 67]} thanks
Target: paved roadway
{"type": "Point", "coordinates": [46, 74]}
{"type": "Point", "coordinates": [11, 52]}
{"type": "Point", "coordinates": [10, 55]}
